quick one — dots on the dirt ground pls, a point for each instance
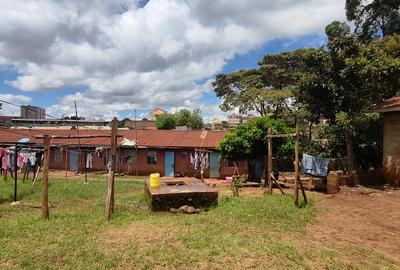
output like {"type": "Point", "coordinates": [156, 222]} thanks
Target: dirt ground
{"type": "Point", "coordinates": [360, 216]}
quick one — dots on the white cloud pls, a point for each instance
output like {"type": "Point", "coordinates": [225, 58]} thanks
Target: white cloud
{"type": "Point", "coordinates": [128, 57]}
{"type": "Point", "coordinates": [12, 110]}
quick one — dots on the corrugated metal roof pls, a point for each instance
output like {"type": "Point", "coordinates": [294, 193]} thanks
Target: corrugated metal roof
{"type": "Point", "coordinates": [146, 138]}
{"type": "Point", "coordinates": [389, 105]}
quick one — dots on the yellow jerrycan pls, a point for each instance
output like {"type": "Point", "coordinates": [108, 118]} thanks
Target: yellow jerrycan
{"type": "Point", "coordinates": [155, 180]}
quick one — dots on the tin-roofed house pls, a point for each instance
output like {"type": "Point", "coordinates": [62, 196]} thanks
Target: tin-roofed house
{"type": "Point", "coordinates": [391, 138]}
{"type": "Point", "coordinates": [168, 152]}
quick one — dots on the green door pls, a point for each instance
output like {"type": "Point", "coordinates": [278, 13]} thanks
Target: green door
{"type": "Point", "coordinates": [215, 162]}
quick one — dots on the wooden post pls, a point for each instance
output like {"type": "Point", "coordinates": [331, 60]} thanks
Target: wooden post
{"type": "Point", "coordinates": [202, 166]}
{"type": "Point", "coordinates": [269, 162]}
{"type": "Point", "coordinates": [66, 163]}
{"type": "Point", "coordinates": [110, 190]}
{"type": "Point", "coordinates": [296, 167]}
{"type": "Point", "coordinates": [15, 172]}
{"type": "Point", "coordinates": [45, 201]}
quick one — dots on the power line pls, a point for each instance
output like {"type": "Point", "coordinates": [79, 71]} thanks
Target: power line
{"type": "Point", "coordinates": [10, 103]}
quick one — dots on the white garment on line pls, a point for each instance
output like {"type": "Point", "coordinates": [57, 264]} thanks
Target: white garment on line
{"type": "Point", "coordinates": [89, 160]}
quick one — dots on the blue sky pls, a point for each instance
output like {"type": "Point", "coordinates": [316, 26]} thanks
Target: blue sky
{"type": "Point", "coordinates": [115, 58]}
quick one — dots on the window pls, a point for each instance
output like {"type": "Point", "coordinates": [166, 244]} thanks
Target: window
{"type": "Point", "coordinates": [58, 156]}
{"type": "Point", "coordinates": [151, 157]}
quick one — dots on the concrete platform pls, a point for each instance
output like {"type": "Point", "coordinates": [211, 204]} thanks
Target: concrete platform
{"type": "Point", "coordinates": [176, 192]}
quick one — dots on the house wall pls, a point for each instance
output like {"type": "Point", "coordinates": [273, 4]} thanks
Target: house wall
{"type": "Point", "coordinates": [391, 147]}
{"type": "Point", "coordinates": [183, 167]}
{"type": "Point", "coordinates": [226, 170]}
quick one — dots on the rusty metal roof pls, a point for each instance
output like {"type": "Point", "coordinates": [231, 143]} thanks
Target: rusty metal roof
{"type": "Point", "coordinates": [389, 105]}
{"type": "Point", "coordinates": [145, 138]}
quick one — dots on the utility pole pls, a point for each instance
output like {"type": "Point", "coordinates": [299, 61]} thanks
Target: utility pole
{"type": "Point", "coordinates": [110, 188]}
{"type": "Point", "coordinates": [45, 201]}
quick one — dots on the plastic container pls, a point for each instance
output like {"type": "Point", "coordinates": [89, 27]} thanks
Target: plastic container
{"type": "Point", "coordinates": [155, 180]}
{"type": "Point", "coordinates": [228, 179]}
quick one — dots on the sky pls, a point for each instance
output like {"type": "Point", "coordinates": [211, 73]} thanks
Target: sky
{"type": "Point", "coordinates": [115, 57]}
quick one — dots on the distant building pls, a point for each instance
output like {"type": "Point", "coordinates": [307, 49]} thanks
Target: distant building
{"type": "Point", "coordinates": [156, 113]}
{"type": "Point", "coordinates": [216, 123]}
{"type": "Point", "coordinates": [32, 112]}
{"type": "Point", "coordinates": [5, 121]}
{"type": "Point", "coordinates": [59, 123]}
{"type": "Point", "coordinates": [236, 119]}
{"type": "Point", "coordinates": [140, 124]}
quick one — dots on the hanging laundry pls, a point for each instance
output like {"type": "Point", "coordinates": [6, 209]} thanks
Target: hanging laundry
{"type": "Point", "coordinates": [196, 160]}
{"type": "Point", "coordinates": [20, 160]}
{"type": "Point", "coordinates": [4, 160]}
{"type": "Point", "coordinates": [315, 166]}
{"type": "Point", "coordinates": [89, 160]}
{"type": "Point", "coordinates": [32, 159]}
{"type": "Point", "coordinates": [207, 161]}
{"type": "Point", "coordinates": [192, 159]}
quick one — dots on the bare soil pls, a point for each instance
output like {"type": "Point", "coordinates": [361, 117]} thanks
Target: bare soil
{"type": "Point", "coordinates": [363, 217]}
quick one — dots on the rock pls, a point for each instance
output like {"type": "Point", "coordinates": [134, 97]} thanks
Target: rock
{"type": "Point", "coordinates": [182, 209]}
{"type": "Point", "coordinates": [15, 203]}
{"type": "Point", "coordinates": [186, 209]}
{"type": "Point", "coordinates": [173, 210]}
{"type": "Point", "coordinates": [190, 210]}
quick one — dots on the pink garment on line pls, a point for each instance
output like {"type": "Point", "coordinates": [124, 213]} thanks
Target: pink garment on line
{"type": "Point", "coordinates": [20, 160]}
{"type": "Point", "coordinates": [5, 161]}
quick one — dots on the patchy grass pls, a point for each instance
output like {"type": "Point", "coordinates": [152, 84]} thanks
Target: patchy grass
{"type": "Point", "coordinates": [242, 232]}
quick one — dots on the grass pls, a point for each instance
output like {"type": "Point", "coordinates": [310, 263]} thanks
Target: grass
{"type": "Point", "coordinates": [242, 232]}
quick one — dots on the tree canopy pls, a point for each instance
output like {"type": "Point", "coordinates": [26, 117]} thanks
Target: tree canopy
{"type": "Point", "coordinates": [248, 141]}
{"type": "Point", "coordinates": [374, 18]}
{"type": "Point", "coordinates": [184, 117]}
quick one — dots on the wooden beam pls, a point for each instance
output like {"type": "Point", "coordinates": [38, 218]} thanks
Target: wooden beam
{"type": "Point", "coordinates": [296, 167]}
{"type": "Point", "coordinates": [110, 188]}
{"type": "Point", "coordinates": [45, 201]}
{"type": "Point", "coordinates": [15, 173]}
{"type": "Point", "coordinates": [76, 136]}
{"type": "Point", "coordinates": [269, 161]}
{"type": "Point", "coordinates": [281, 135]}
{"type": "Point", "coordinates": [66, 163]}
{"type": "Point", "coordinates": [277, 183]}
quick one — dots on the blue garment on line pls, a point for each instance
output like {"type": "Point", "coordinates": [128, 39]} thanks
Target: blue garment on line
{"type": "Point", "coordinates": [315, 166]}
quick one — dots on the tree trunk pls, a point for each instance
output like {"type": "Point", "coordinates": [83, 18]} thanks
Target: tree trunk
{"type": "Point", "coordinates": [350, 159]}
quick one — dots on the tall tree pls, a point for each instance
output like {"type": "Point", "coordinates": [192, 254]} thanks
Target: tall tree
{"type": "Point", "coordinates": [374, 18]}
{"type": "Point", "coordinates": [166, 121]}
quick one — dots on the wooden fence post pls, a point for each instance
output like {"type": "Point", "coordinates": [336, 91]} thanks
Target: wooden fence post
{"type": "Point", "coordinates": [45, 201]}
{"type": "Point", "coordinates": [15, 172]}
{"type": "Point", "coordinates": [269, 170]}
{"type": "Point", "coordinates": [110, 189]}
{"type": "Point", "coordinates": [296, 167]}
{"type": "Point", "coordinates": [66, 163]}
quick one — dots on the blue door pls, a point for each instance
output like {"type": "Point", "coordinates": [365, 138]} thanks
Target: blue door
{"type": "Point", "coordinates": [215, 162]}
{"type": "Point", "coordinates": [73, 161]}
{"type": "Point", "coordinates": [169, 163]}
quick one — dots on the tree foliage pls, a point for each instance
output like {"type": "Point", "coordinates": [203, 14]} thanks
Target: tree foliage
{"type": "Point", "coordinates": [165, 121]}
{"type": "Point", "coordinates": [263, 90]}
{"type": "Point", "coordinates": [184, 117]}
{"type": "Point", "coordinates": [374, 18]}
{"type": "Point", "coordinates": [348, 76]}
{"type": "Point", "coordinates": [248, 141]}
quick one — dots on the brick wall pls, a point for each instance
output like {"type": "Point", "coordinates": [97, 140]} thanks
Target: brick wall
{"type": "Point", "coordinates": [181, 156]}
